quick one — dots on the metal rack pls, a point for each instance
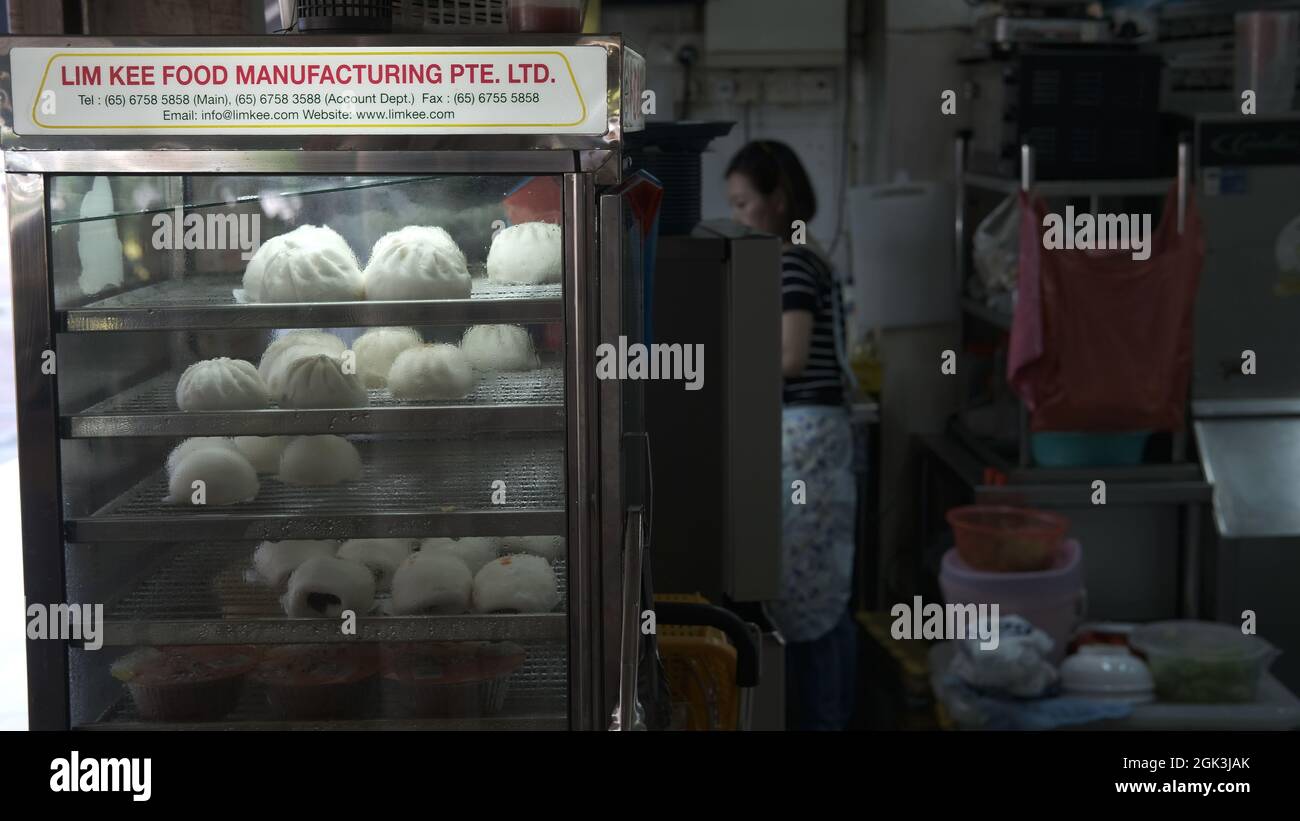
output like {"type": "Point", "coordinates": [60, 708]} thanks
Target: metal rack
{"type": "Point", "coordinates": [535, 700]}
{"type": "Point", "coordinates": [501, 401]}
{"type": "Point", "coordinates": [1094, 190]}
{"type": "Point", "coordinates": [1179, 483]}
{"type": "Point", "coordinates": [207, 593]}
{"type": "Point", "coordinates": [208, 302]}
{"type": "Point", "coordinates": [415, 488]}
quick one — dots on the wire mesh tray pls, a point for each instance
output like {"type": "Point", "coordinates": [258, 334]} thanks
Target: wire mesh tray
{"type": "Point", "coordinates": [207, 593]}
{"type": "Point", "coordinates": [523, 400]}
{"type": "Point", "coordinates": [415, 488]}
{"type": "Point", "coordinates": [536, 698]}
{"type": "Point", "coordinates": [206, 302]}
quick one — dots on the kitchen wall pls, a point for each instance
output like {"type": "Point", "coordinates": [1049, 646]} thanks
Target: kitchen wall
{"type": "Point", "coordinates": [803, 107]}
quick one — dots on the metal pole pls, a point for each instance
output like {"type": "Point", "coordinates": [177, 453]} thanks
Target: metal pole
{"type": "Point", "coordinates": [959, 218]}
{"type": "Point", "coordinates": [1182, 185]}
{"type": "Point", "coordinates": [1026, 167]}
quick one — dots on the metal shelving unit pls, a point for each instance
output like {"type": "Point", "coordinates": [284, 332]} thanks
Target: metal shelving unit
{"type": "Point", "coordinates": [414, 488]}
{"type": "Point", "coordinates": [208, 302]}
{"type": "Point", "coordinates": [504, 401]}
{"type": "Point", "coordinates": [1178, 483]}
{"type": "Point", "coordinates": [1094, 190]}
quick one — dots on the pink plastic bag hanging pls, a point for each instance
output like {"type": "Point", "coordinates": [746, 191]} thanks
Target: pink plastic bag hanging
{"type": "Point", "coordinates": [1101, 341]}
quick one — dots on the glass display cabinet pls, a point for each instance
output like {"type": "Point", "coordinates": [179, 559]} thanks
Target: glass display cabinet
{"type": "Point", "coordinates": [435, 530]}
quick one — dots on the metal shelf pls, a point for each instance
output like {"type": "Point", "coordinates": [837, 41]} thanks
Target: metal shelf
{"type": "Point", "coordinates": [536, 699]}
{"type": "Point", "coordinates": [361, 184]}
{"type": "Point", "coordinates": [1151, 187]}
{"type": "Point", "coordinates": [413, 488]}
{"type": "Point", "coordinates": [208, 593]}
{"type": "Point", "coordinates": [208, 302]}
{"type": "Point", "coordinates": [518, 401]}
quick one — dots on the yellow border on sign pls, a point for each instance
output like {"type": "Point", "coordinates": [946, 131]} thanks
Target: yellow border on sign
{"type": "Point", "coordinates": [567, 66]}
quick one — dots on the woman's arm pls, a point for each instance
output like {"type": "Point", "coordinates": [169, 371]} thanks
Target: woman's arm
{"type": "Point", "coordinates": [796, 339]}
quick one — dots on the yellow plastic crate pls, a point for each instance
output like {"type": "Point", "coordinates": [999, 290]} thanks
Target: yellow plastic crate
{"type": "Point", "coordinates": [701, 667]}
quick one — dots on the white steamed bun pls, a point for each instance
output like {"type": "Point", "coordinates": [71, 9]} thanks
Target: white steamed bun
{"type": "Point", "coordinates": [291, 345]}
{"type": "Point", "coordinates": [417, 262]}
{"type": "Point", "coordinates": [431, 372]}
{"type": "Point", "coordinates": [434, 583]}
{"type": "Point", "coordinates": [548, 547]}
{"type": "Point", "coordinates": [319, 460]}
{"type": "Point", "coordinates": [522, 583]}
{"type": "Point", "coordinates": [499, 348]}
{"type": "Point", "coordinates": [325, 586]}
{"type": "Point", "coordinates": [274, 561]}
{"type": "Point", "coordinates": [381, 556]}
{"type": "Point", "coordinates": [311, 263]}
{"type": "Point", "coordinates": [318, 380]}
{"type": "Point", "coordinates": [195, 444]}
{"type": "Point", "coordinates": [221, 384]}
{"type": "Point", "coordinates": [262, 452]}
{"type": "Point", "coordinates": [529, 253]}
{"type": "Point", "coordinates": [227, 478]}
{"type": "Point", "coordinates": [376, 350]}
{"type": "Point", "coordinates": [474, 551]}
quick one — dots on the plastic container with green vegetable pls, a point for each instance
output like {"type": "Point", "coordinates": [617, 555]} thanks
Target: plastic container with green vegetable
{"type": "Point", "coordinates": [1197, 662]}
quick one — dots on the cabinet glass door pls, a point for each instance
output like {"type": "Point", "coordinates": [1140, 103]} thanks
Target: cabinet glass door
{"type": "Point", "coordinates": [312, 448]}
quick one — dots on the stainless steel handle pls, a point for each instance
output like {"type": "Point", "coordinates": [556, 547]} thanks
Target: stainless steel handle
{"type": "Point", "coordinates": [628, 714]}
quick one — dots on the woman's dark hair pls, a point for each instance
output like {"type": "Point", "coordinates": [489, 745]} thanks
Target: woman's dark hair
{"type": "Point", "coordinates": [770, 166]}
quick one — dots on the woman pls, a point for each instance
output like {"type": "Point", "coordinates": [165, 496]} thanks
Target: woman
{"type": "Point", "coordinates": [769, 191]}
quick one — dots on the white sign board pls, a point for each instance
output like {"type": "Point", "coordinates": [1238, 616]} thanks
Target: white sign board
{"type": "Point", "coordinates": [406, 90]}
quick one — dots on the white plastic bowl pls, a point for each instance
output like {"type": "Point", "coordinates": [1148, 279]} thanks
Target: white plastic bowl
{"type": "Point", "coordinates": [1107, 671]}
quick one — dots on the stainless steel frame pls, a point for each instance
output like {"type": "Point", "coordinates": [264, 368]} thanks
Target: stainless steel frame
{"type": "Point", "coordinates": [583, 161]}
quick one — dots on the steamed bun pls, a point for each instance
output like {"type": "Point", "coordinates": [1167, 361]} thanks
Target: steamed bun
{"type": "Point", "coordinates": [227, 478]}
{"type": "Point", "coordinates": [318, 380]}
{"type": "Point", "coordinates": [417, 262]}
{"type": "Point", "coordinates": [381, 556]}
{"type": "Point", "coordinates": [325, 586]}
{"type": "Point", "coordinates": [474, 551]}
{"type": "Point", "coordinates": [431, 372]}
{"type": "Point", "coordinates": [309, 264]}
{"type": "Point", "coordinates": [432, 583]}
{"type": "Point", "coordinates": [195, 444]}
{"type": "Point", "coordinates": [499, 348]}
{"type": "Point", "coordinates": [274, 561]}
{"type": "Point", "coordinates": [522, 583]}
{"type": "Point", "coordinates": [529, 254]}
{"type": "Point", "coordinates": [221, 384]}
{"type": "Point", "coordinates": [376, 350]}
{"type": "Point", "coordinates": [548, 547]}
{"type": "Point", "coordinates": [262, 452]}
{"type": "Point", "coordinates": [289, 346]}
{"type": "Point", "coordinates": [319, 460]}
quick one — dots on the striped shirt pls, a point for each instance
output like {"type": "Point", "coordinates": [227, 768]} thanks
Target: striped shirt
{"type": "Point", "coordinates": [806, 283]}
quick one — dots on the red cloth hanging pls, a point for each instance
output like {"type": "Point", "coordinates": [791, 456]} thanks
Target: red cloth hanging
{"type": "Point", "coordinates": [1101, 341]}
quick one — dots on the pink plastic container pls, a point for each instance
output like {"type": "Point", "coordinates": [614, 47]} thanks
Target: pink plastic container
{"type": "Point", "coordinates": [547, 16]}
{"type": "Point", "coordinates": [1052, 600]}
{"type": "Point", "coordinates": [1000, 539]}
